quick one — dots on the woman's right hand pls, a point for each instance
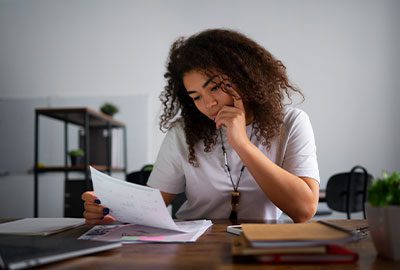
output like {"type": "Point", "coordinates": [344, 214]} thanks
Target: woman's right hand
{"type": "Point", "coordinates": [95, 213]}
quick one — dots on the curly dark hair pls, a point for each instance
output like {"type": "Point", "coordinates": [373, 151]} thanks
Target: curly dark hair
{"type": "Point", "coordinates": [261, 82]}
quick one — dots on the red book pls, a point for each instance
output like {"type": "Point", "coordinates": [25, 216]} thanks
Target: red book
{"type": "Point", "coordinates": [333, 254]}
{"type": "Point", "coordinates": [243, 252]}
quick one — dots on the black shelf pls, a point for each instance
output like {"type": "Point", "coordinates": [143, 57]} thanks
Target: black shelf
{"type": "Point", "coordinates": [78, 168]}
{"type": "Point", "coordinates": [96, 147]}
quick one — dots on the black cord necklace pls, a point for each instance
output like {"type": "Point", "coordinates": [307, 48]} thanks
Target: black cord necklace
{"type": "Point", "coordinates": [235, 194]}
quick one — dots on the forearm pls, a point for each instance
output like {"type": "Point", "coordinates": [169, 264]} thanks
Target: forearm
{"type": "Point", "coordinates": [293, 195]}
{"type": "Point", "coordinates": [167, 197]}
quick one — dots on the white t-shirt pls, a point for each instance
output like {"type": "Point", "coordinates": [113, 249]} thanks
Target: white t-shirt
{"type": "Point", "coordinates": [208, 187]}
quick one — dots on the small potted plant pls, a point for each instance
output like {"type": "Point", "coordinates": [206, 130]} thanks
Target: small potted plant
{"type": "Point", "coordinates": [76, 156]}
{"type": "Point", "coordinates": [109, 109]}
{"type": "Point", "coordinates": [383, 215]}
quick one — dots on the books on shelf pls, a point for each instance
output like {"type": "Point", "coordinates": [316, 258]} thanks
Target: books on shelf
{"type": "Point", "coordinates": [293, 243]}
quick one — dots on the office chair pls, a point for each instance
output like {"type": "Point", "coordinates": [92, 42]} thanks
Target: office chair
{"type": "Point", "coordinates": [141, 177]}
{"type": "Point", "coordinates": [347, 192]}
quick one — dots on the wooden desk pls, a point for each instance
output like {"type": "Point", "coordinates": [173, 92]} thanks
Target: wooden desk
{"type": "Point", "coordinates": [211, 251]}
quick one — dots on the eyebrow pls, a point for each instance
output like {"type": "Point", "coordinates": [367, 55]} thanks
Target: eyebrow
{"type": "Point", "coordinates": [209, 80]}
{"type": "Point", "coordinates": [204, 85]}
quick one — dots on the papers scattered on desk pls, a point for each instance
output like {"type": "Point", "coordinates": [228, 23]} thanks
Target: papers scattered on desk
{"type": "Point", "coordinates": [135, 204]}
{"type": "Point", "coordinates": [40, 226]}
{"type": "Point", "coordinates": [145, 210]}
{"type": "Point", "coordinates": [131, 233]}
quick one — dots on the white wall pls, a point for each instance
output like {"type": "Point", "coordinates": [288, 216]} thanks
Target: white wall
{"type": "Point", "coordinates": [342, 54]}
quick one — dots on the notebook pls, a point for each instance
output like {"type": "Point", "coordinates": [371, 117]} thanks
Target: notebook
{"type": "Point", "coordinates": [40, 226]}
{"type": "Point", "coordinates": [295, 235]}
{"type": "Point", "coordinates": [19, 252]}
{"type": "Point", "coordinates": [242, 252]}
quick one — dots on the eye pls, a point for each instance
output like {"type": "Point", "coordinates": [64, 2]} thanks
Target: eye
{"type": "Point", "coordinates": [196, 98]}
{"type": "Point", "coordinates": [216, 87]}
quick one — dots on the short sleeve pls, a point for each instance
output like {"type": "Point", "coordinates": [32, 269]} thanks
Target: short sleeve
{"type": "Point", "coordinates": [168, 174]}
{"type": "Point", "coordinates": [301, 153]}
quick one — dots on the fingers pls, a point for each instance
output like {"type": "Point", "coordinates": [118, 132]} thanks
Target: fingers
{"type": "Point", "coordinates": [237, 100]}
{"type": "Point", "coordinates": [229, 88]}
{"type": "Point", "coordinates": [229, 116]}
{"type": "Point", "coordinates": [106, 220]}
{"type": "Point", "coordinates": [94, 212]}
{"type": "Point", "coordinates": [88, 196]}
{"type": "Point", "coordinates": [238, 103]}
{"type": "Point", "coordinates": [97, 214]}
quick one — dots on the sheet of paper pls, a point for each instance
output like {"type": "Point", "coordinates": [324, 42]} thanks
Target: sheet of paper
{"type": "Point", "coordinates": [39, 226]}
{"type": "Point", "coordinates": [133, 203]}
{"type": "Point", "coordinates": [132, 234]}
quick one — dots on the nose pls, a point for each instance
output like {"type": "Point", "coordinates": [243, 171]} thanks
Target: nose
{"type": "Point", "coordinates": [209, 101]}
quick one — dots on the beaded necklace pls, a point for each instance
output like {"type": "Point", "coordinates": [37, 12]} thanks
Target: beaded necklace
{"type": "Point", "coordinates": [235, 194]}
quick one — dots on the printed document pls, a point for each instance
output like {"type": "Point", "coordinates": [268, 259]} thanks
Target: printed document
{"type": "Point", "coordinates": [132, 233]}
{"type": "Point", "coordinates": [135, 204]}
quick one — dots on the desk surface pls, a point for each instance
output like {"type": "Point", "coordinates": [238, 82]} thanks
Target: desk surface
{"type": "Point", "coordinates": [210, 251]}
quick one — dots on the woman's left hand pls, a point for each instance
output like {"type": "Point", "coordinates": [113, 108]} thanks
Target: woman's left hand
{"type": "Point", "coordinates": [234, 119]}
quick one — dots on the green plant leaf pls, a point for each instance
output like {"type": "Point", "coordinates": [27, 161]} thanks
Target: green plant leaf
{"type": "Point", "coordinates": [109, 108]}
{"type": "Point", "coordinates": [385, 191]}
{"type": "Point", "coordinates": [76, 153]}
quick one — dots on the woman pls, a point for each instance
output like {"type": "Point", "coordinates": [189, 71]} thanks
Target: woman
{"type": "Point", "coordinates": [232, 145]}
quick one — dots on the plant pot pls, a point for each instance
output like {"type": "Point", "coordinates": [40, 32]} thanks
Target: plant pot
{"type": "Point", "coordinates": [384, 224]}
{"type": "Point", "coordinates": [76, 160]}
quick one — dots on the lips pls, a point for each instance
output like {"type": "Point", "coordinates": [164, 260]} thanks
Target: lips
{"type": "Point", "coordinates": [214, 115]}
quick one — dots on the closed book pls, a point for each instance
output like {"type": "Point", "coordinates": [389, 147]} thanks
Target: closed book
{"type": "Point", "coordinates": [307, 255]}
{"type": "Point", "coordinates": [241, 247]}
{"type": "Point", "coordinates": [295, 235]}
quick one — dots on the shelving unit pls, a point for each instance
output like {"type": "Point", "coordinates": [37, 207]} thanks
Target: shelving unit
{"type": "Point", "coordinates": [94, 146]}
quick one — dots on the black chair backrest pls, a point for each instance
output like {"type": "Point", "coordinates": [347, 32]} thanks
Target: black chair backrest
{"type": "Point", "coordinates": [140, 177]}
{"type": "Point", "coordinates": [346, 192]}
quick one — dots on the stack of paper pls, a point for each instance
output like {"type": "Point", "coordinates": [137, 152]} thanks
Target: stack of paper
{"type": "Point", "coordinates": [145, 210]}
{"type": "Point", "coordinates": [293, 243]}
{"type": "Point", "coordinates": [130, 233]}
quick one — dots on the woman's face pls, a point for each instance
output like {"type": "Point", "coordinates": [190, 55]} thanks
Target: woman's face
{"type": "Point", "coordinates": [206, 92]}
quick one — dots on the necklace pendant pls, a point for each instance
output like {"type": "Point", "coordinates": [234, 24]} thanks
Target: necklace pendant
{"type": "Point", "coordinates": [235, 198]}
{"type": "Point", "coordinates": [234, 204]}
